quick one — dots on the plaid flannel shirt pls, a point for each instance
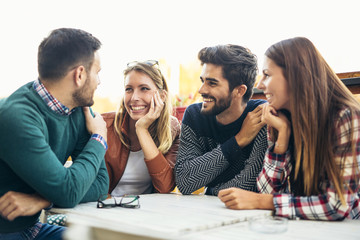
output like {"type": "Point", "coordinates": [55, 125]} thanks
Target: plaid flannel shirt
{"type": "Point", "coordinates": [274, 177]}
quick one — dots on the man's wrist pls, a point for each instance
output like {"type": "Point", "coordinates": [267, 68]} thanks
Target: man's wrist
{"type": "Point", "coordinates": [100, 139]}
{"type": "Point", "coordinates": [240, 141]}
{"type": "Point", "coordinates": [49, 207]}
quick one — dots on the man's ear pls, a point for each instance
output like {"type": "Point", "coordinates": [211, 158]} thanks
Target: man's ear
{"type": "Point", "coordinates": [240, 91]}
{"type": "Point", "coordinates": [80, 76]}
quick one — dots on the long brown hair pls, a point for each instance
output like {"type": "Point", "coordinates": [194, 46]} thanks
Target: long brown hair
{"type": "Point", "coordinates": [160, 129]}
{"type": "Point", "coordinates": [316, 97]}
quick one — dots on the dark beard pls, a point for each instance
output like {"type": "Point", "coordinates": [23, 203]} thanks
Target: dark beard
{"type": "Point", "coordinates": [80, 97]}
{"type": "Point", "coordinates": [219, 106]}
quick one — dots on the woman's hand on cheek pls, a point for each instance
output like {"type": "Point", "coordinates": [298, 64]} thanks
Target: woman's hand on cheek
{"type": "Point", "coordinates": [280, 122]}
{"type": "Point", "coordinates": [156, 106]}
{"type": "Point", "coordinates": [273, 118]}
{"type": "Point", "coordinates": [159, 99]}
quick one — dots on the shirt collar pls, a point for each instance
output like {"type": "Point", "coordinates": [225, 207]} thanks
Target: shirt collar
{"type": "Point", "coordinates": [50, 100]}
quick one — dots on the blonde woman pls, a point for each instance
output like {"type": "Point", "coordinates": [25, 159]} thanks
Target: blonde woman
{"type": "Point", "coordinates": [143, 137]}
{"type": "Point", "coordinates": [311, 168]}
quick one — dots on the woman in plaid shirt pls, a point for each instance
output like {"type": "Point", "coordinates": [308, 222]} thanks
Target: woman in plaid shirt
{"type": "Point", "coordinates": [311, 168]}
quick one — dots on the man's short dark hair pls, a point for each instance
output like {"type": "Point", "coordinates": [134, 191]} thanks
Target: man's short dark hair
{"type": "Point", "coordinates": [239, 65]}
{"type": "Point", "coordinates": [64, 49]}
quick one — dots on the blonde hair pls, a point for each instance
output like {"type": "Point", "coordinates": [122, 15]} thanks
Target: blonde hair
{"type": "Point", "coordinates": [316, 97]}
{"type": "Point", "coordinates": [160, 129]}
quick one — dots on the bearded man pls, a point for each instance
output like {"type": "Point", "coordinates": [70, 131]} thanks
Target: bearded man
{"type": "Point", "coordinates": [42, 124]}
{"type": "Point", "coordinates": [223, 139]}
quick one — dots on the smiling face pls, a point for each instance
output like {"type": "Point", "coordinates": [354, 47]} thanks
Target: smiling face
{"type": "Point", "coordinates": [214, 90]}
{"type": "Point", "coordinates": [274, 85]}
{"type": "Point", "coordinates": [139, 89]}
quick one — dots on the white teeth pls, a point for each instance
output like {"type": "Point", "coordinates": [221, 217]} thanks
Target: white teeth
{"type": "Point", "coordinates": [208, 99]}
{"type": "Point", "coordinates": [138, 108]}
{"type": "Point", "coordinates": [268, 96]}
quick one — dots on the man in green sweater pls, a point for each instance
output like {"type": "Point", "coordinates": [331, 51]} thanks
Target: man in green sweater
{"type": "Point", "coordinates": [42, 124]}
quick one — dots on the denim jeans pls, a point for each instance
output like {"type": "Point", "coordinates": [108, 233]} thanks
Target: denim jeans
{"type": "Point", "coordinates": [47, 231]}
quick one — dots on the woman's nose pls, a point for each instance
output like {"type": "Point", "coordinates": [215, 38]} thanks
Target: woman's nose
{"type": "Point", "coordinates": [260, 85]}
{"type": "Point", "coordinates": [135, 95]}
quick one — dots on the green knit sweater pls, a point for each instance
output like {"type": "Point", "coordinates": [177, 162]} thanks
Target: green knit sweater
{"type": "Point", "coordinates": [35, 142]}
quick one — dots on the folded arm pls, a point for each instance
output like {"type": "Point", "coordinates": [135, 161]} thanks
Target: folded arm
{"type": "Point", "coordinates": [36, 163]}
{"type": "Point", "coordinates": [195, 165]}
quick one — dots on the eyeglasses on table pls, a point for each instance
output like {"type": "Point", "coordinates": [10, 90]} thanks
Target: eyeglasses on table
{"type": "Point", "coordinates": [126, 201]}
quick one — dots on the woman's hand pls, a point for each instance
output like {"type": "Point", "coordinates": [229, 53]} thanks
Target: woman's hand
{"type": "Point", "coordinates": [279, 121]}
{"type": "Point", "coordinates": [146, 141]}
{"type": "Point", "coordinates": [156, 106]}
{"type": "Point", "coordinates": [274, 118]}
{"type": "Point", "coordinates": [239, 199]}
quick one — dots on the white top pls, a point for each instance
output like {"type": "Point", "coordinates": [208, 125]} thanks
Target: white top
{"type": "Point", "coordinates": [136, 179]}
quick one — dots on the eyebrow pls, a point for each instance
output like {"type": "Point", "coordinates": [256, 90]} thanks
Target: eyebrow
{"type": "Point", "coordinates": [210, 79]}
{"type": "Point", "coordinates": [144, 85]}
{"type": "Point", "coordinates": [141, 85]}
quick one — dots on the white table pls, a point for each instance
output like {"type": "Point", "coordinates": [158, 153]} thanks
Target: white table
{"type": "Point", "coordinates": [296, 230]}
{"type": "Point", "coordinates": [162, 216]}
{"type": "Point", "coordinates": [197, 217]}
